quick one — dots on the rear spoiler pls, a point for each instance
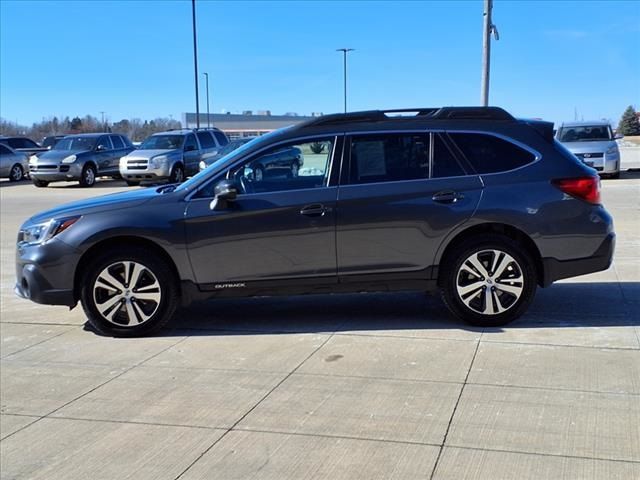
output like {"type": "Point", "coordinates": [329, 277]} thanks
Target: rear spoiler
{"type": "Point", "coordinates": [545, 129]}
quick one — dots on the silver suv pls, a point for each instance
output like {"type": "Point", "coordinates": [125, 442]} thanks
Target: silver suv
{"type": "Point", "coordinates": [171, 155]}
{"type": "Point", "coordinates": [594, 144]}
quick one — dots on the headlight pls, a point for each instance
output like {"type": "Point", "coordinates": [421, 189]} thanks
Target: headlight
{"type": "Point", "coordinates": [159, 161]}
{"type": "Point", "coordinates": [33, 159]}
{"type": "Point", "coordinates": [41, 232]}
{"type": "Point", "coordinates": [69, 159]}
{"type": "Point", "coordinates": [202, 165]}
{"type": "Point", "coordinates": [613, 150]}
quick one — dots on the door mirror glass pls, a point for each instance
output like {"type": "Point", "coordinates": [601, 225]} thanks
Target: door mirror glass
{"type": "Point", "coordinates": [225, 191]}
{"type": "Point", "coordinates": [101, 148]}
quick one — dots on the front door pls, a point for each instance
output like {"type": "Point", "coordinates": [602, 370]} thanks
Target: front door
{"type": "Point", "coordinates": [401, 195]}
{"type": "Point", "coordinates": [280, 227]}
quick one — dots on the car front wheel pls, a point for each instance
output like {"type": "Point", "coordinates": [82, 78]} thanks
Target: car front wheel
{"type": "Point", "coordinates": [128, 294]}
{"type": "Point", "coordinates": [88, 176]}
{"type": "Point", "coordinates": [488, 280]}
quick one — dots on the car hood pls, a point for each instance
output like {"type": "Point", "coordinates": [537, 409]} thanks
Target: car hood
{"type": "Point", "coordinates": [589, 147]}
{"type": "Point", "coordinates": [57, 155]}
{"type": "Point", "coordinates": [147, 154]}
{"type": "Point", "coordinates": [114, 201]}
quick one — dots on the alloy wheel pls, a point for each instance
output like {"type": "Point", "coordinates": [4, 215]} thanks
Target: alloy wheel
{"type": "Point", "coordinates": [490, 282]}
{"type": "Point", "coordinates": [127, 293]}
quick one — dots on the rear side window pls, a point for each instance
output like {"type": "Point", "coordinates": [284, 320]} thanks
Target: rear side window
{"type": "Point", "coordinates": [445, 163]}
{"type": "Point", "coordinates": [117, 142]}
{"type": "Point", "coordinates": [205, 140]}
{"type": "Point", "coordinates": [222, 140]}
{"type": "Point", "coordinates": [389, 158]}
{"type": "Point", "coordinates": [489, 154]}
{"type": "Point", "coordinates": [104, 142]}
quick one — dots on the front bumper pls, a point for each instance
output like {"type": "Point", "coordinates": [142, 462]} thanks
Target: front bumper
{"type": "Point", "coordinates": [55, 172]}
{"type": "Point", "coordinates": [139, 175]}
{"type": "Point", "coordinates": [601, 260]}
{"type": "Point", "coordinates": [45, 273]}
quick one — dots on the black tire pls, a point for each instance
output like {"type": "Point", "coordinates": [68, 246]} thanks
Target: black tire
{"type": "Point", "coordinates": [615, 175]}
{"type": "Point", "coordinates": [132, 184]}
{"type": "Point", "coordinates": [451, 275]}
{"type": "Point", "coordinates": [160, 313]}
{"type": "Point", "coordinates": [88, 176]}
{"type": "Point", "coordinates": [40, 183]}
{"type": "Point", "coordinates": [16, 173]}
{"type": "Point", "coordinates": [177, 174]}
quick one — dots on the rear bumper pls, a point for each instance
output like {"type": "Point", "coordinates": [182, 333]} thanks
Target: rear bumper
{"type": "Point", "coordinates": [601, 260]}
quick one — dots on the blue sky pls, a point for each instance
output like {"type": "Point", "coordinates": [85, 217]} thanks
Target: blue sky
{"type": "Point", "coordinates": [134, 59]}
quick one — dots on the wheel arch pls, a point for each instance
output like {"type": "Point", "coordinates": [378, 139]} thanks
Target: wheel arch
{"type": "Point", "coordinates": [123, 241]}
{"type": "Point", "coordinates": [503, 229]}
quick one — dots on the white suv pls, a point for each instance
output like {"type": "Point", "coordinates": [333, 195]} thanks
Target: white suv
{"type": "Point", "coordinates": [171, 155]}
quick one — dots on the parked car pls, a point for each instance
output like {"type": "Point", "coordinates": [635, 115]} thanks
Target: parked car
{"type": "Point", "coordinates": [465, 200]}
{"type": "Point", "coordinates": [22, 145]}
{"type": "Point", "coordinates": [594, 143]}
{"type": "Point", "coordinates": [50, 141]}
{"type": "Point", "coordinates": [82, 157]}
{"type": "Point", "coordinates": [171, 155]}
{"type": "Point", "coordinates": [227, 149]}
{"type": "Point", "coordinates": [13, 165]}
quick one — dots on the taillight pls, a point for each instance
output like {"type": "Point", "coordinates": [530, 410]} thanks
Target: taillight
{"type": "Point", "coordinates": [584, 188]}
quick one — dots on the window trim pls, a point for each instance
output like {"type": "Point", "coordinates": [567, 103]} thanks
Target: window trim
{"type": "Point", "coordinates": [331, 181]}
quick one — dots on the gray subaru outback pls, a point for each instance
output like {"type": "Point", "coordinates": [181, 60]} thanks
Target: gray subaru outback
{"type": "Point", "coordinates": [468, 201]}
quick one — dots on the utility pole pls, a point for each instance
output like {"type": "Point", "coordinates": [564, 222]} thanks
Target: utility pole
{"type": "Point", "coordinates": [344, 52]}
{"type": "Point", "coordinates": [195, 61]}
{"type": "Point", "coordinates": [487, 30]}
{"type": "Point", "coordinates": [104, 127]}
{"type": "Point", "coordinates": [206, 75]}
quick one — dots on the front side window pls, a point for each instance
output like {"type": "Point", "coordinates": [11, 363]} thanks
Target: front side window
{"type": "Point", "coordinates": [490, 154]}
{"type": "Point", "coordinates": [205, 140]}
{"type": "Point", "coordinates": [389, 158]}
{"type": "Point", "coordinates": [295, 166]}
{"type": "Point", "coordinates": [104, 143]}
{"type": "Point", "coordinates": [190, 143]}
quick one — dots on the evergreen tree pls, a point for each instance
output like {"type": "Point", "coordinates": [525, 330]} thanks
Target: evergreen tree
{"type": "Point", "coordinates": [629, 123]}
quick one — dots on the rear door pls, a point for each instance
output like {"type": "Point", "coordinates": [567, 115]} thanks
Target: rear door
{"type": "Point", "coordinates": [400, 195]}
{"type": "Point", "coordinates": [192, 154]}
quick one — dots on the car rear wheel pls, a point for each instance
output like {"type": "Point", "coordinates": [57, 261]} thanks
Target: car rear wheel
{"type": "Point", "coordinates": [88, 176]}
{"type": "Point", "coordinates": [177, 174]}
{"type": "Point", "coordinates": [128, 294]}
{"type": "Point", "coordinates": [40, 183]}
{"type": "Point", "coordinates": [488, 281]}
{"type": "Point", "coordinates": [16, 173]}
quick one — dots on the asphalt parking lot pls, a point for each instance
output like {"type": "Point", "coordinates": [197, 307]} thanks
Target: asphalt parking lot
{"type": "Point", "coordinates": [336, 387]}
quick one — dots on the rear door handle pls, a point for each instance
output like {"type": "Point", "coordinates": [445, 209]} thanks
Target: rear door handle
{"type": "Point", "coordinates": [447, 196]}
{"type": "Point", "coordinates": [315, 210]}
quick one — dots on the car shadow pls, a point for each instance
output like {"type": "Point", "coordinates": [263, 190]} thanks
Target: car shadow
{"type": "Point", "coordinates": [564, 305]}
{"type": "Point", "coordinates": [4, 183]}
{"type": "Point", "coordinates": [632, 174]}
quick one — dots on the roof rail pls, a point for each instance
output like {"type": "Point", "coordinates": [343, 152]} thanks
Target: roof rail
{"type": "Point", "coordinates": [442, 113]}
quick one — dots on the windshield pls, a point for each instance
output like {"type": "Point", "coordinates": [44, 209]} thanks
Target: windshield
{"type": "Point", "coordinates": [162, 142]}
{"type": "Point", "coordinates": [594, 133]}
{"type": "Point", "coordinates": [238, 152]}
{"type": "Point", "coordinates": [76, 143]}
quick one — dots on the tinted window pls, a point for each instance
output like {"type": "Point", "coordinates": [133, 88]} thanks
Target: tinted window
{"type": "Point", "coordinates": [127, 142]}
{"type": "Point", "coordinates": [206, 141]}
{"type": "Point", "coordinates": [104, 141]}
{"type": "Point", "coordinates": [594, 133]}
{"type": "Point", "coordinates": [4, 150]}
{"type": "Point", "coordinates": [489, 154]}
{"type": "Point", "coordinates": [117, 142]}
{"type": "Point", "coordinates": [444, 162]}
{"type": "Point", "coordinates": [190, 142]}
{"type": "Point", "coordinates": [22, 143]}
{"type": "Point", "coordinates": [389, 157]}
{"type": "Point", "coordinates": [300, 165]}
{"type": "Point", "coordinates": [222, 140]}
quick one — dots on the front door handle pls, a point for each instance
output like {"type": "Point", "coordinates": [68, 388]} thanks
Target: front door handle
{"type": "Point", "coordinates": [447, 196]}
{"type": "Point", "coordinates": [315, 210]}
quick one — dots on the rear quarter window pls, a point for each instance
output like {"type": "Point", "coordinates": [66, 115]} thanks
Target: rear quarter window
{"type": "Point", "coordinates": [490, 154]}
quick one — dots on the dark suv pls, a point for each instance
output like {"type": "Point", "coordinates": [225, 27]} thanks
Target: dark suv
{"type": "Point", "coordinates": [466, 200]}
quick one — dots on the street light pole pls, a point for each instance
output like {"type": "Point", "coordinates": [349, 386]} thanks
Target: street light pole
{"type": "Point", "coordinates": [104, 127]}
{"type": "Point", "coordinates": [195, 61]}
{"type": "Point", "coordinates": [344, 52]}
{"type": "Point", "coordinates": [206, 75]}
{"type": "Point", "coordinates": [488, 29]}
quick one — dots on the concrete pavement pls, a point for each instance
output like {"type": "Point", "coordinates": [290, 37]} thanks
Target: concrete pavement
{"type": "Point", "coordinates": [335, 387]}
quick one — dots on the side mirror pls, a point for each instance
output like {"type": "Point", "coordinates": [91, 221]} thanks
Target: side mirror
{"type": "Point", "coordinates": [225, 191]}
{"type": "Point", "coordinates": [618, 136]}
{"type": "Point", "coordinates": [101, 148]}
